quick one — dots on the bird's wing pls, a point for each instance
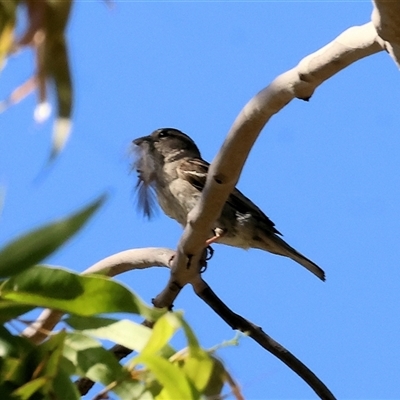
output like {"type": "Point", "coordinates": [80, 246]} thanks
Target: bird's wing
{"type": "Point", "coordinates": [194, 170]}
{"type": "Point", "coordinates": [244, 205]}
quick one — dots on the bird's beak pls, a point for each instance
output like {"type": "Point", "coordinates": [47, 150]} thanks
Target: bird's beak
{"type": "Point", "coordinates": [140, 140]}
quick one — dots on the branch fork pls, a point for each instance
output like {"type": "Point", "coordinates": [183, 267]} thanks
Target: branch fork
{"type": "Point", "coordinates": [186, 264]}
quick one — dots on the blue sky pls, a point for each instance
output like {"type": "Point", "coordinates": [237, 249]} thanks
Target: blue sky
{"type": "Point", "coordinates": [326, 172]}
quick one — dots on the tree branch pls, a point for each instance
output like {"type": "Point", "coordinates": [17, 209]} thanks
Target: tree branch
{"type": "Point", "coordinates": [235, 321]}
{"type": "Point", "coordinates": [116, 264]}
{"type": "Point", "coordinates": [299, 82]}
{"type": "Point", "coordinates": [386, 19]}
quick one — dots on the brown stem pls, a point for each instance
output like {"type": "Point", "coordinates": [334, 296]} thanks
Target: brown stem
{"type": "Point", "coordinates": [235, 321]}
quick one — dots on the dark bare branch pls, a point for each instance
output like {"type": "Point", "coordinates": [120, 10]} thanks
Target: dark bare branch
{"type": "Point", "coordinates": [235, 321]}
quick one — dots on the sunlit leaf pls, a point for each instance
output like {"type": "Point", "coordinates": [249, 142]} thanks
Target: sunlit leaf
{"type": "Point", "coordinates": [92, 360]}
{"type": "Point", "coordinates": [69, 292]}
{"type": "Point", "coordinates": [36, 245]}
{"type": "Point", "coordinates": [129, 389]}
{"type": "Point", "coordinates": [163, 330]}
{"type": "Point", "coordinates": [130, 334]}
{"type": "Point", "coordinates": [193, 343]}
{"type": "Point", "coordinates": [61, 132]}
{"type": "Point", "coordinates": [6, 40]}
{"type": "Point", "coordinates": [174, 381]}
{"type": "Point", "coordinates": [199, 369]}
{"type": "Point", "coordinates": [197, 363]}
{"type": "Point", "coordinates": [26, 391]}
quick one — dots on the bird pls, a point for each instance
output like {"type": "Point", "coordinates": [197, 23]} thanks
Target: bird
{"type": "Point", "coordinates": [171, 171]}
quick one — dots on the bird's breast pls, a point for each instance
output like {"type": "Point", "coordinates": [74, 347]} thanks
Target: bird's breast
{"type": "Point", "coordinates": [177, 198]}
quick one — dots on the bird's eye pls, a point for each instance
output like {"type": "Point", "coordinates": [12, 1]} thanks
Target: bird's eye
{"type": "Point", "coordinates": [163, 133]}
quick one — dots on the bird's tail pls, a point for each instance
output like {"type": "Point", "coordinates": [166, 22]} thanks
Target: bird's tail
{"type": "Point", "coordinates": [277, 245]}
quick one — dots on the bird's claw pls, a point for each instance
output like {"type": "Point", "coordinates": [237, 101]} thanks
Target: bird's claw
{"type": "Point", "coordinates": [203, 268]}
{"type": "Point", "coordinates": [210, 253]}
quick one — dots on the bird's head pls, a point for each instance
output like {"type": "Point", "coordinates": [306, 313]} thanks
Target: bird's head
{"type": "Point", "coordinates": [152, 152]}
{"type": "Point", "coordinates": [168, 144]}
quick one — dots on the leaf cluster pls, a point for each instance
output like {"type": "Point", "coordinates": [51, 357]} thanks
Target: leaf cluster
{"type": "Point", "coordinates": [46, 370]}
{"type": "Point", "coordinates": [44, 33]}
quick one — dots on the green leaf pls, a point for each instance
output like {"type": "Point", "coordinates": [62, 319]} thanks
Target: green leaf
{"type": "Point", "coordinates": [92, 360]}
{"type": "Point", "coordinates": [198, 365]}
{"type": "Point", "coordinates": [51, 354]}
{"type": "Point", "coordinates": [63, 387]}
{"type": "Point", "coordinates": [69, 292]}
{"type": "Point", "coordinates": [131, 389]}
{"type": "Point", "coordinates": [12, 346]}
{"type": "Point", "coordinates": [8, 345]}
{"type": "Point", "coordinates": [58, 13]}
{"type": "Point", "coordinates": [171, 377]}
{"type": "Point", "coordinates": [199, 369]}
{"type": "Point", "coordinates": [34, 246]}
{"type": "Point", "coordinates": [47, 369]}
{"type": "Point", "coordinates": [10, 310]}
{"type": "Point", "coordinates": [18, 359]}
{"type": "Point", "coordinates": [193, 343]}
{"type": "Point", "coordinates": [56, 64]}
{"type": "Point", "coordinates": [130, 334]}
{"type": "Point", "coordinates": [163, 330]}
{"type": "Point", "coordinates": [216, 380]}
{"type": "Point", "coordinates": [127, 333]}
{"type": "Point", "coordinates": [6, 40]}
{"type": "Point", "coordinates": [8, 10]}
{"type": "Point", "coordinates": [26, 391]}
{"type": "Point", "coordinates": [61, 132]}
{"type": "Point", "coordinates": [12, 372]}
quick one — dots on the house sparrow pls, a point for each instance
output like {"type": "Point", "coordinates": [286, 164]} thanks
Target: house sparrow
{"type": "Point", "coordinates": [170, 166]}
